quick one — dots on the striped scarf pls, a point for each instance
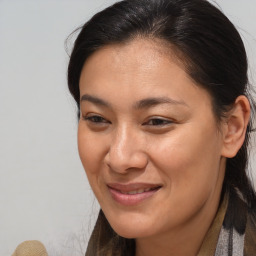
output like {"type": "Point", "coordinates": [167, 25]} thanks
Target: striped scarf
{"type": "Point", "coordinates": [233, 231]}
{"type": "Point", "coordinates": [230, 243]}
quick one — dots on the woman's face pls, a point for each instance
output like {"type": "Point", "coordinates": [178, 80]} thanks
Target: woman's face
{"type": "Point", "coordinates": [148, 140]}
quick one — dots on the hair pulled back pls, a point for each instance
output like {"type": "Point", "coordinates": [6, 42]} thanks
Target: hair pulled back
{"type": "Point", "coordinates": [213, 54]}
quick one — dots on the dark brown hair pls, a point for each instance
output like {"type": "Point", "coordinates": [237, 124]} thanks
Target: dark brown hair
{"type": "Point", "coordinates": [214, 56]}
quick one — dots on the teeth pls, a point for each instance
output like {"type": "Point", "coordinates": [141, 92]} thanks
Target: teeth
{"type": "Point", "coordinates": [133, 192]}
{"type": "Point", "coordinates": [139, 191]}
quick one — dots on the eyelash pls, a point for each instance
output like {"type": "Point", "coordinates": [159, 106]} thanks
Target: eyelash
{"type": "Point", "coordinates": [158, 122]}
{"type": "Point", "coordinates": [96, 119]}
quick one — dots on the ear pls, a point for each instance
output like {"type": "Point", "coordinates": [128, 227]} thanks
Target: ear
{"type": "Point", "coordinates": [235, 127]}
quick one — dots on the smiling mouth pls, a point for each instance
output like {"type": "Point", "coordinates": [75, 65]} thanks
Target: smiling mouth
{"type": "Point", "coordinates": [139, 191]}
{"type": "Point", "coordinates": [132, 194]}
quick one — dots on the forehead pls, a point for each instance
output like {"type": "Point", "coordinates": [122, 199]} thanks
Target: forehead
{"type": "Point", "coordinates": [142, 52]}
{"type": "Point", "coordinates": [135, 70]}
{"type": "Point", "coordinates": [138, 56]}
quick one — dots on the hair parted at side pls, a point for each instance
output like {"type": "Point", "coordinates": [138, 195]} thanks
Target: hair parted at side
{"type": "Point", "coordinates": [214, 56]}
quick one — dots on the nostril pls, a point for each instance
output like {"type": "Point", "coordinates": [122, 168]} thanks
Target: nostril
{"type": "Point", "coordinates": [127, 163]}
{"type": "Point", "coordinates": [126, 151]}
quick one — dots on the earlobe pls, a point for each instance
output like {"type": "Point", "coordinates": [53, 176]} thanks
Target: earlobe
{"type": "Point", "coordinates": [236, 126]}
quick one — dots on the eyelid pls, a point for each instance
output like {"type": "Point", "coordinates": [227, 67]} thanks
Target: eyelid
{"type": "Point", "coordinates": [165, 121]}
{"type": "Point", "coordinates": [89, 117]}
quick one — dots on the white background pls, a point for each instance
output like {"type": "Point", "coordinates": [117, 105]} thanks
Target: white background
{"type": "Point", "coordinates": [44, 193]}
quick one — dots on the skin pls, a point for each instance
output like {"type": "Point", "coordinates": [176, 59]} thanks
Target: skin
{"type": "Point", "coordinates": [175, 143]}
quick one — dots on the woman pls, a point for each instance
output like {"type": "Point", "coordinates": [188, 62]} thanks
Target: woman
{"type": "Point", "coordinates": [164, 122]}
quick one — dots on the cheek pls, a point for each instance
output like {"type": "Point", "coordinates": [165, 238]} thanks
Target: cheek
{"type": "Point", "coordinates": [89, 154]}
{"type": "Point", "coordinates": [90, 157]}
{"type": "Point", "coordinates": [190, 172]}
{"type": "Point", "coordinates": [188, 159]}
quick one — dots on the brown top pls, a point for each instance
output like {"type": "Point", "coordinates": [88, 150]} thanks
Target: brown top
{"type": "Point", "coordinates": [210, 242]}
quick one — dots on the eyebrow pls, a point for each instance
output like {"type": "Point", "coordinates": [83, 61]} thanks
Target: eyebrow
{"type": "Point", "coordinates": [144, 103]}
{"type": "Point", "coordinates": [95, 100]}
{"type": "Point", "coordinates": [150, 102]}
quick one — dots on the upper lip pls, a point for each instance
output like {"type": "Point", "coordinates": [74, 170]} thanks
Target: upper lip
{"type": "Point", "coordinates": [132, 186]}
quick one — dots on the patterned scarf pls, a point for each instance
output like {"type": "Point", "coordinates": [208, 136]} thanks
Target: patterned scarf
{"type": "Point", "coordinates": [230, 243]}
{"type": "Point", "coordinates": [233, 231]}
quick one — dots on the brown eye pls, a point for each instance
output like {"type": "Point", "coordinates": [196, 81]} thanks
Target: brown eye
{"type": "Point", "coordinates": [158, 122]}
{"type": "Point", "coordinates": [95, 119]}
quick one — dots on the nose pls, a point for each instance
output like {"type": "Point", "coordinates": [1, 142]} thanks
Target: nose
{"type": "Point", "coordinates": [127, 151]}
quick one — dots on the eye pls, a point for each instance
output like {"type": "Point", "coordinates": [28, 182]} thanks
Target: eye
{"type": "Point", "coordinates": [158, 122]}
{"type": "Point", "coordinates": [95, 119]}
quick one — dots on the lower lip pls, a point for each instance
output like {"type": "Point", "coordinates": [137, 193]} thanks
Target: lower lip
{"type": "Point", "coordinates": [129, 200]}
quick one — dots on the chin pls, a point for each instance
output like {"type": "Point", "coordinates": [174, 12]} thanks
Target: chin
{"type": "Point", "coordinates": [132, 230]}
{"type": "Point", "coordinates": [131, 233]}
